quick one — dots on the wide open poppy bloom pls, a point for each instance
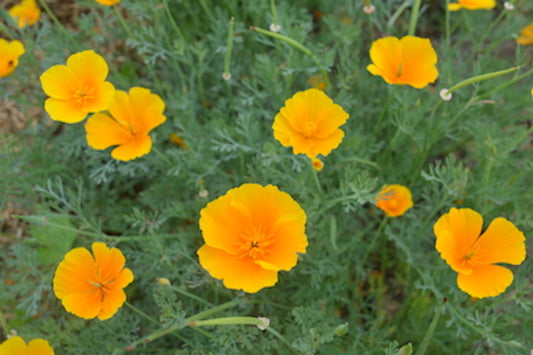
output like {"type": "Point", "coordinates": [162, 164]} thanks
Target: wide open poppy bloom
{"type": "Point", "coordinates": [309, 122]}
{"type": "Point", "coordinates": [476, 257]}
{"type": "Point", "coordinates": [78, 88]}
{"type": "Point", "coordinates": [26, 13]}
{"type": "Point", "coordinates": [394, 200]}
{"type": "Point", "coordinates": [407, 61]}
{"type": "Point", "coordinates": [17, 346]}
{"type": "Point", "coordinates": [526, 35]}
{"type": "Point", "coordinates": [133, 116]}
{"type": "Point", "coordinates": [250, 234]}
{"type": "Point", "coordinates": [472, 5]}
{"type": "Point", "coordinates": [107, 2]}
{"type": "Point", "coordinates": [91, 286]}
{"type": "Point", "coordinates": [9, 56]}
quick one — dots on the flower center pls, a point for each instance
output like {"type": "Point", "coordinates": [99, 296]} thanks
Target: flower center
{"type": "Point", "coordinates": [309, 128]}
{"type": "Point", "coordinates": [100, 285]}
{"type": "Point", "coordinates": [400, 70]}
{"type": "Point", "coordinates": [254, 243]}
{"type": "Point", "coordinates": [83, 95]}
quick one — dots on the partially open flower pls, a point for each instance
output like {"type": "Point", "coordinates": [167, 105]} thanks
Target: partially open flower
{"type": "Point", "coordinates": [132, 116]}
{"type": "Point", "coordinates": [250, 234]}
{"type": "Point", "coordinates": [26, 13]}
{"type": "Point", "coordinates": [9, 56]}
{"type": "Point", "coordinates": [476, 257]}
{"type": "Point", "coordinates": [407, 61]}
{"type": "Point", "coordinates": [107, 2]}
{"type": "Point", "coordinates": [526, 35]}
{"type": "Point", "coordinates": [78, 88]}
{"type": "Point", "coordinates": [90, 285]}
{"type": "Point", "coordinates": [17, 346]}
{"type": "Point", "coordinates": [472, 5]}
{"type": "Point", "coordinates": [394, 200]}
{"type": "Point", "coordinates": [309, 122]}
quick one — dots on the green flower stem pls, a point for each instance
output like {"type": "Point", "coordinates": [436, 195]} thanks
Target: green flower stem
{"type": "Point", "coordinates": [282, 339]}
{"type": "Point", "coordinates": [228, 321]}
{"type": "Point", "coordinates": [229, 46]}
{"type": "Point", "coordinates": [57, 23]}
{"type": "Point", "coordinates": [314, 173]}
{"type": "Point", "coordinates": [123, 22]}
{"type": "Point", "coordinates": [506, 84]}
{"type": "Point", "coordinates": [274, 13]}
{"type": "Point", "coordinates": [333, 232]}
{"type": "Point", "coordinates": [141, 313]}
{"type": "Point", "coordinates": [447, 30]}
{"type": "Point", "coordinates": [162, 156]}
{"type": "Point", "coordinates": [213, 310]}
{"type": "Point", "coordinates": [207, 10]}
{"type": "Point", "coordinates": [414, 17]}
{"type": "Point", "coordinates": [485, 34]}
{"type": "Point", "coordinates": [174, 24]}
{"type": "Point", "coordinates": [429, 332]}
{"type": "Point", "coordinates": [374, 240]}
{"type": "Point", "coordinates": [298, 46]}
{"type": "Point", "coordinates": [481, 77]}
{"type": "Point", "coordinates": [190, 295]}
{"type": "Point", "coordinates": [3, 323]}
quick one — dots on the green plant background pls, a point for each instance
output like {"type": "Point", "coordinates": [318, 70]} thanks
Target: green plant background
{"type": "Point", "coordinates": [367, 285]}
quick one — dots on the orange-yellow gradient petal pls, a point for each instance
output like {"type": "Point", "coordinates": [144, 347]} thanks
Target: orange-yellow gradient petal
{"type": "Point", "coordinates": [456, 232]}
{"type": "Point", "coordinates": [107, 2]}
{"type": "Point", "coordinates": [485, 281]}
{"type": "Point", "coordinates": [309, 122]}
{"type": "Point", "coordinates": [9, 56]}
{"type": "Point", "coordinates": [472, 5]}
{"type": "Point", "coordinates": [26, 13]}
{"type": "Point", "coordinates": [16, 346]}
{"type": "Point", "coordinates": [91, 286]}
{"type": "Point", "coordinates": [394, 200]}
{"type": "Point", "coordinates": [256, 227]}
{"type": "Point", "coordinates": [77, 88]}
{"type": "Point", "coordinates": [133, 116]}
{"type": "Point", "coordinates": [526, 35]}
{"type": "Point", "coordinates": [475, 257]}
{"type": "Point", "coordinates": [407, 61]}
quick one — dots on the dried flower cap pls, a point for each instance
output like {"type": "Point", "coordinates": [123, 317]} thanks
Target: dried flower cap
{"type": "Point", "coordinates": [90, 285]}
{"type": "Point", "coordinates": [78, 88]}
{"type": "Point", "coordinates": [472, 5]}
{"type": "Point", "coordinates": [26, 13]}
{"type": "Point", "coordinates": [132, 116]}
{"type": "Point", "coordinates": [10, 51]}
{"type": "Point", "coordinates": [17, 346]}
{"type": "Point", "coordinates": [407, 61]}
{"type": "Point", "coordinates": [309, 123]}
{"type": "Point", "coordinates": [526, 35]}
{"type": "Point", "coordinates": [394, 200]}
{"type": "Point", "coordinates": [250, 234]}
{"type": "Point", "coordinates": [107, 2]}
{"type": "Point", "coordinates": [475, 257]}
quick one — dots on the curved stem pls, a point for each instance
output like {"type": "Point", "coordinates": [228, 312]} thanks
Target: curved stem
{"type": "Point", "coordinates": [414, 17]}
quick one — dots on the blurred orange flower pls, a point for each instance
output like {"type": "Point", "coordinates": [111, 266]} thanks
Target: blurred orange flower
{"type": "Point", "coordinates": [26, 13]}
{"type": "Point", "coordinates": [108, 2]}
{"type": "Point", "coordinates": [309, 122]}
{"type": "Point", "coordinates": [133, 116]}
{"type": "Point", "coordinates": [9, 56]}
{"type": "Point", "coordinates": [472, 5]}
{"type": "Point", "coordinates": [17, 346]}
{"type": "Point", "coordinates": [407, 61]}
{"type": "Point", "coordinates": [250, 234]}
{"type": "Point", "coordinates": [78, 88]}
{"type": "Point", "coordinates": [394, 200]}
{"type": "Point", "coordinates": [475, 257]}
{"type": "Point", "coordinates": [526, 35]}
{"type": "Point", "coordinates": [91, 286]}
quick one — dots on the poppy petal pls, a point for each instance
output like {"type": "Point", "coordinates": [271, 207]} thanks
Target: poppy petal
{"type": "Point", "coordinates": [57, 82]}
{"type": "Point", "coordinates": [133, 149]}
{"type": "Point", "coordinates": [485, 281]}
{"type": "Point", "coordinates": [103, 132]}
{"type": "Point", "coordinates": [66, 111]}
{"type": "Point", "coordinates": [89, 67]}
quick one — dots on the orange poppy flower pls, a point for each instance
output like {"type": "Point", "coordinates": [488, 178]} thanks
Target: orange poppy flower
{"type": "Point", "coordinates": [107, 2]}
{"type": "Point", "coordinates": [407, 61]}
{"type": "Point", "coordinates": [472, 5]}
{"type": "Point", "coordinates": [309, 122]}
{"type": "Point", "coordinates": [250, 234]}
{"type": "Point", "coordinates": [476, 257]}
{"type": "Point", "coordinates": [133, 116]}
{"type": "Point", "coordinates": [78, 88]}
{"type": "Point", "coordinates": [526, 35]}
{"type": "Point", "coordinates": [394, 200]}
{"type": "Point", "coordinates": [17, 346]}
{"type": "Point", "coordinates": [9, 56]}
{"type": "Point", "coordinates": [26, 13]}
{"type": "Point", "coordinates": [91, 286]}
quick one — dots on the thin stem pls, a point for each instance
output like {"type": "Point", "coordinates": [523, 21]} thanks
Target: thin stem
{"type": "Point", "coordinates": [213, 310]}
{"type": "Point", "coordinates": [190, 295]}
{"type": "Point", "coordinates": [57, 23]}
{"type": "Point", "coordinates": [414, 17]}
{"type": "Point", "coordinates": [245, 320]}
{"type": "Point", "coordinates": [274, 13]}
{"type": "Point", "coordinates": [429, 333]}
{"type": "Point", "coordinates": [229, 46]}
{"type": "Point", "coordinates": [3, 323]}
{"type": "Point", "coordinates": [281, 338]}
{"type": "Point", "coordinates": [173, 23]}
{"type": "Point", "coordinates": [374, 239]}
{"type": "Point", "coordinates": [162, 156]}
{"type": "Point", "coordinates": [123, 22]}
{"type": "Point", "coordinates": [141, 313]}
{"type": "Point", "coordinates": [447, 25]}
{"type": "Point", "coordinates": [205, 7]}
